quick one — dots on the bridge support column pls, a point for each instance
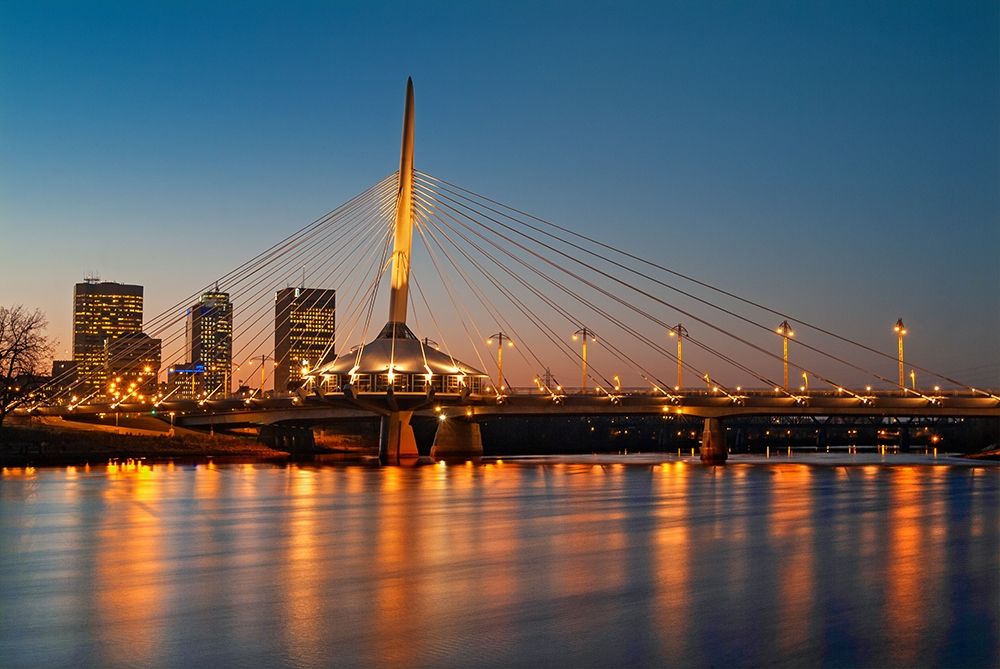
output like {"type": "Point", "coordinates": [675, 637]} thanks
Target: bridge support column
{"type": "Point", "coordinates": [456, 438]}
{"type": "Point", "coordinates": [396, 442]}
{"type": "Point", "coordinates": [904, 438]}
{"type": "Point", "coordinates": [713, 443]}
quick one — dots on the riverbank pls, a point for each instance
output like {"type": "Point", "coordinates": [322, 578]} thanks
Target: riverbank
{"type": "Point", "coordinates": [54, 442]}
{"type": "Point", "coordinates": [46, 444]}
{"type": "Point", "coordinates": [989, 454]}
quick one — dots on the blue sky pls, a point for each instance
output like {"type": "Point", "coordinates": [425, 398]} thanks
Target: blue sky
{"type": "Point", "coordinates": [839, 160]}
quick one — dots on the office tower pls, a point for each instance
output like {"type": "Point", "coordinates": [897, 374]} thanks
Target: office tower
{"type": "Point", "coordinates": [63, 373]}
{"type": "Point", "coordinates": [185, 381]}
{"type": "Point", "coordinates": [304, 320]}
{"type": "Point", "coordinates": [210, 341]}
{"type": "Point", "coordinates": [103, 311]}
{"type": "Point", "coordinates": [133, 365]}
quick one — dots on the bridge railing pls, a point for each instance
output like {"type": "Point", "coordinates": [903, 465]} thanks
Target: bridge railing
{"type": "Point", "coordinates": [750, 392]}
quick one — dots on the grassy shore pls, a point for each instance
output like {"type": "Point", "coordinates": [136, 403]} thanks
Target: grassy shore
{"type": "Point", "coordinates": [63, 443]}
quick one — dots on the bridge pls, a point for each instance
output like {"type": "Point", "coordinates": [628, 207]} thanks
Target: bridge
{"type": "Point", "coordinates": [544, 291]}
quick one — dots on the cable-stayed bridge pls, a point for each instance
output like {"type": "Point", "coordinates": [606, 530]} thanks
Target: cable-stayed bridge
{"type": "Point", "coordinates": [500, 316]}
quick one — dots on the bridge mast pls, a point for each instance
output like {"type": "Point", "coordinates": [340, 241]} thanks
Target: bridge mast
{"type": "Point", "coordinates": [403, 241]}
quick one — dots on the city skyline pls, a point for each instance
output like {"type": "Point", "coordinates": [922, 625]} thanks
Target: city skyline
{"type": "Point", "coordinates": [841, 169]}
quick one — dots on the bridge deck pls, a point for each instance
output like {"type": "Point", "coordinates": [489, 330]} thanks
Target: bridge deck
{"type": "Point", "coordinates": [236, 411]}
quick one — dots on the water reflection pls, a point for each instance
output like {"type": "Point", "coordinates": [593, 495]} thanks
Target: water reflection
{"type": "Point", "coordinates": [130, 567]}
{"type": "Point", "coordinates": [500, 564]}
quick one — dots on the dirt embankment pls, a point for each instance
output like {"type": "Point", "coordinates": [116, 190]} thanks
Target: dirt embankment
{"type": "Point", "coordinates": [58, 442]}
{"type": "Point", "coordinates": [991, 453]}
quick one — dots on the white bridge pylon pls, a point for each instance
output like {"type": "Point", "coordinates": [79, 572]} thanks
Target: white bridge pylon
{"type": "Point", "coordinates": [396, 360]}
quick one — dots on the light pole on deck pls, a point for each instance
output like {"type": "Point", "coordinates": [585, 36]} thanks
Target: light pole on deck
{"type": "Point", "coordinates": [785, 330]}
{"type": "Point", "coordinates": [680, 332]}
{"type": "Point", "coordinates": [583, 333]}
{"type": "Point", "coordinates": [263, 371]}
{"type": "Point", "coordinates": [900, 331]}
{"type": "Point", "coordinates": [500, 338]}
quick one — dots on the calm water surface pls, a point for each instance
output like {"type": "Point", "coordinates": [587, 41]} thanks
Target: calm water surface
{"type": "Point", "coordinates": [541, 562]}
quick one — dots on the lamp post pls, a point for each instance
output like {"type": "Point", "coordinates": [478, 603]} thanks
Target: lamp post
{"type": "Point", "coordinates": [900, 331]}
{"type": "Point", "coordinates": [583, 333]}
{"type": "Point", "coordinates": [500, 338]}
{"type": "Point", "coordinates": [913, 379]}
{"type": "Point", "coordinates": [805, 382]}
{"type": "Point", "coordinates": [263, 372]}
{"type": "Point", "coordinates": [680, 332]}
{"type": "Point", "coordinates": [785, 330]}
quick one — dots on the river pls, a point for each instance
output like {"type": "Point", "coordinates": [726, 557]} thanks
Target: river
{"type": "Point", "coordinates": [584, 561]}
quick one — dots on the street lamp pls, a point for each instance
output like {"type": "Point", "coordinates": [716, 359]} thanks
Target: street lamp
{"type": "Point", "coordinates": [900, 331]}
{"type": "Point", "coordinates": [913, 379]}
{"type": "Point", "coordinates": [680, 332]}
{"type": "Point", "coordinates": [500, 338]}
{"type": "Point", "coordinates": [583, 333]}
{"type": "Point", "coordinates": [263, 371]}
{"type": "Point", "coordinates": [785, 330]}
{"type": "Point", "coordinates": [805, 381]}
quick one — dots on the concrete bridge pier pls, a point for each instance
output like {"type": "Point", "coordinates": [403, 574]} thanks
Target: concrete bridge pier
{"type": "Point", "coordinates": [457, 438]}
{"type": "Point", "coordinates": [713, 443]}
{"type": "Point", "coordinates": [397, 444]}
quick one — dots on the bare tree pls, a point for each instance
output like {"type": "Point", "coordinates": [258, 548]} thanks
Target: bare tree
{"type": "Point", "coordinates": [23, 349]}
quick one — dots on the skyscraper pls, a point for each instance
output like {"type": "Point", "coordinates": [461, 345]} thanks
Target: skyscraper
{"type": "Point", "coordinates": [210, 340]}
{"type": "Point", "coordinates": [304, 328]}
{"type": "Point", "coordinates": [133, 365]}
{"type": "Point", "coordinates": [185, 381]}
{"type": "Point", "coordinates": [103, 311]}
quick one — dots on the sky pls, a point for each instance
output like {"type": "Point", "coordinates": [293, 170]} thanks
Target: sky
{"type": "Point", "coordinates": [838, 160]}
